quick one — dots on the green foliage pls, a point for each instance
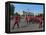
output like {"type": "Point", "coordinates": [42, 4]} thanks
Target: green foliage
{"type": "Point", "coordinates": [11, 9]}
{"type": "Point", "coordinates": [16, 13]}
{"type": "Point", "coordinates": [40, 15]}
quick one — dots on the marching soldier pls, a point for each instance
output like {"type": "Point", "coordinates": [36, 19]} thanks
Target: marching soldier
{"type": "Point", "coordinates": [17, 19]}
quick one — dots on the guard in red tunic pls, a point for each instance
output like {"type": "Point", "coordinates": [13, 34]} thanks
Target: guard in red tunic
{"type": "Point", "coordinates": [17, 19]}
{"type": "Point", "coordinates": [27, 18]}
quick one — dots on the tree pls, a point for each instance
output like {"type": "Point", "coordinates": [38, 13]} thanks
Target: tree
{"type": "Point", "coordinates": [11, 9]}
{"type": "Point", "coordinates": [40, 14]}
{"type": "Point", "coordinates": [16, 13]}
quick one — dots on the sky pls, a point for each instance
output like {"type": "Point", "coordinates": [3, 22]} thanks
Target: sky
{"type": "Point", "coordinates": [28, 8]}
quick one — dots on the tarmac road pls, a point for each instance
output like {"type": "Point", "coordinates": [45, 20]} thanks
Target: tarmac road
{"type": "Point", "coordinates": [24, 26]}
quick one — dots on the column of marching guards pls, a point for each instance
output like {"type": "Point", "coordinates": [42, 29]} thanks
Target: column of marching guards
{"type": "Point", "coordinates": [28, 19]}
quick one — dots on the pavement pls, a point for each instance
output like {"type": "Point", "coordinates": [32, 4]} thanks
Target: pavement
{"type": "Point", "coordinates": [24, 26]}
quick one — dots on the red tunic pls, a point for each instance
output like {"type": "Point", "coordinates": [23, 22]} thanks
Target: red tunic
{"type": "Point", "coordinates": [16, 19]}
{"type": "Point", "coordinates": [27, 18]}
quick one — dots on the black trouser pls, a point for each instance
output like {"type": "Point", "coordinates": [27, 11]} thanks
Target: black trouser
{"type": "Point", "coordinates": [15, 24]}
{"type": "Point", "coordinates": [40, 25]}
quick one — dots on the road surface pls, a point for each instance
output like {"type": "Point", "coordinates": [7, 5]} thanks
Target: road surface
{"type": "Point", "coordinates": [24, 26]}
